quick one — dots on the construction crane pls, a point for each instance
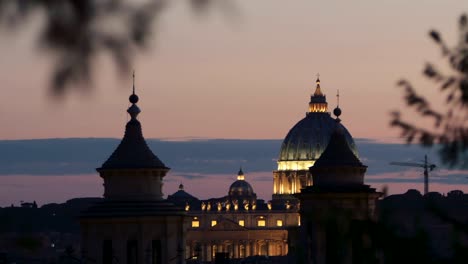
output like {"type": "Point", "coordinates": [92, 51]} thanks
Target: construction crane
{"type": "Point", "coordinates": [426, 166]}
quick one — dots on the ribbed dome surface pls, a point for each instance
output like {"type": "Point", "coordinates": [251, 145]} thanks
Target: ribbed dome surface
{"type": "Point", "coordinates": [309, 137]}
{"type": "Point", "coordinates": [241, 188]}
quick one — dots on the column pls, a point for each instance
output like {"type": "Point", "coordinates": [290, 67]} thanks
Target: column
{"type": "Point", "coordinates": [268, 252]}
{"type": "Point", "coordinates": [204, 255]}
{"type": "Point", "coordinates": [275, 182]}
{"type": "Point", "coordinates": [294, 180]}
{"type": "Point", "coordinates": [253, 249]}
{"type": "Point", "coordinates": [235, 245]}
{"type": "Point", "coordinates": [209, 251]}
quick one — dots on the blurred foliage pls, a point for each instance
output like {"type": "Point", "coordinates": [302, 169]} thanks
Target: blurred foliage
{"type": "Point", "coordinates": [75, 32]}
{"type": "Point", "coordinates": [450, 128]}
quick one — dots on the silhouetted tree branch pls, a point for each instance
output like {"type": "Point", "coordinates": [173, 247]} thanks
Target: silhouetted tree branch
{"type": "Point", "coordinates": [449, 129]}
{"type": "Point", "coordinates": [76, 31]}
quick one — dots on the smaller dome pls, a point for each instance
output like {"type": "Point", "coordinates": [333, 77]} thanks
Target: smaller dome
{"type": "Point", "coordinates": [241, 188]}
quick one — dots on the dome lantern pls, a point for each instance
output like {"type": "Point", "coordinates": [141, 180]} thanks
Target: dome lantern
{"type": "Point", "coordinates": [318, 101]}
{"type": "Point", "coordinates": [240, 175]}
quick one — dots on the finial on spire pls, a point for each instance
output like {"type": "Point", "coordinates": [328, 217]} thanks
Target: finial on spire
{"type": "Point", "coordinates": [318, 78]}
{"type": "Point", "coordinates": [133, 81]}
{"type": "Point", "coordinates": [337, 110]}
{"type": "Point", "coordinates": [338, 98]}
{"type": "Point", "coordinates": [133, 97]}
{"type": "Point", "coordinates": [133, 110]}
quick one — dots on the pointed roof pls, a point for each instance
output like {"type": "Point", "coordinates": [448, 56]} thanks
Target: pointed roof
{"type": "Point", "coordinates": [318, 90]}
{"type": "Point", "coordinates": [182, 195]}
{"type": "Point", "coordinates": [240, 175]}
{"type": "Point", "coordinates": [338, 152]}
{"type": "Point", "coordinates": [133, 152]}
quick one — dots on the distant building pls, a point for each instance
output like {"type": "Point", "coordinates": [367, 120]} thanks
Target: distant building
{"type": "Point", "coordinates": [237, 224]}
{"type": "Point", "coordinates": [241, 225]}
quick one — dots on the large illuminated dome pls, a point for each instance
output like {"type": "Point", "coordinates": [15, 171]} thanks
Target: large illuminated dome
{"type": "Point", "coordinates": [307, 140]}
{"type": "Point", "coordinates": [304, 144]}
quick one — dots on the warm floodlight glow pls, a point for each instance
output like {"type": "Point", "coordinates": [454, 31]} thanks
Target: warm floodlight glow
{"type": "Point", "coordinates": [261, 222]}
{"type": "Point", "coordinates": [295, 165]}
{"type": "Point", "coordinates": [318, 107]}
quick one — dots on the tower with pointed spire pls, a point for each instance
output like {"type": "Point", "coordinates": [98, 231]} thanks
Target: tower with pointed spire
{"type": "Point", "coordinates": [334, 209]}
{"type": "Point", "coordinates": [134, 223]}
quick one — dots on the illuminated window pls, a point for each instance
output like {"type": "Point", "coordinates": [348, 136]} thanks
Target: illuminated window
{"type": "Point", "coordinates": [261, 222]}
{"type": "Point", "coordinates": [279, 222]}
{"type": "Point", "coordinates": [299, 220]}
{"type": "Point", "coordinates": [241, 222]}
{"type": "Point", "coordinates": [213, 222]}
{"type": "Point", "coordinates": [195, 222]}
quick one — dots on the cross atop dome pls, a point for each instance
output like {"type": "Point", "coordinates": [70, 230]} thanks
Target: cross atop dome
{"type": "Point", "coordinates": [318, 91]}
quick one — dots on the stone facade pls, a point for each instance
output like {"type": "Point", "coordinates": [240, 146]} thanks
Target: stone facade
{"type": "Point", "coordinates": [238, 224]}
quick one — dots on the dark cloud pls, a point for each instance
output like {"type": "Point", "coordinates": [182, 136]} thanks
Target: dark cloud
{"type": "Point", "coordinates": [190, 176]}
{"type": "Point", "coordinates": [200, 158]}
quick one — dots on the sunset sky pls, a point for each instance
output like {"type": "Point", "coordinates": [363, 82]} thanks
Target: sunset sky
{"type": "Point", "coordinates": [242, 73]}
{"type": "Point", "coordinates": [245, 73]}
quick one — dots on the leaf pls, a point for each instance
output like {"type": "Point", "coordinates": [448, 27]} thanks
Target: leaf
{"type": "Point", "coordinates": [449, 82]}
{"type": "Point", "coordinates": [449, 98]}
{"type": "Point", "coordinates": [430, 72]}
{"type": "Point", "coordinates": [402, 82]}
{"type": "Point", "coordinates": [426, 139]}
{"type": "Point", "coordinates": [463, 21]}
{"type": "Point", "coordinates": [435, 36]}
